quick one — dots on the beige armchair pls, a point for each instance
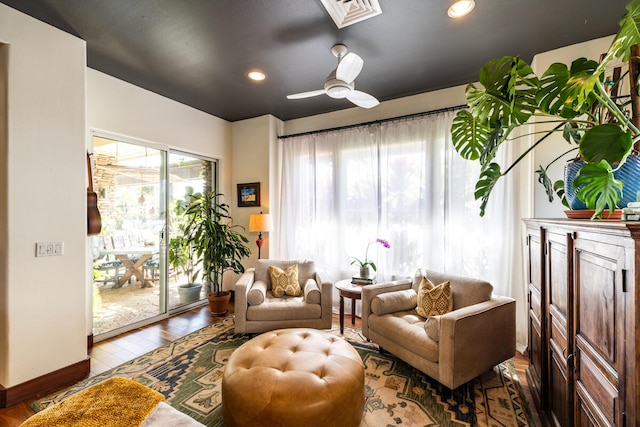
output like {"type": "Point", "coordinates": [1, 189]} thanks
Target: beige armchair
{"type": "Point", "coordinates": [257, 309]}
{"type": "Point", "coordinates": [452, 348]}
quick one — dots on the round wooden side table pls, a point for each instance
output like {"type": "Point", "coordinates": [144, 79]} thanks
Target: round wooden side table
{"type": "Point", "coordinates": [348, 290]}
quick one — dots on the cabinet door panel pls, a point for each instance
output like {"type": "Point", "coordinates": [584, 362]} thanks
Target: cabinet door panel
{"type": "Point", "coordinates": [599, 330]}
{"type": "Point", "coordinates": [535, 305]}
{"type": "Point", "coordinates": [535, 262]}
{"type": "Point", "coordinates": [585, 418]}
{"type": "Point", "coordinates": [536, 358]}
{"type": "Point", "coordinates": [559, 393]}
{"type": "Point", "coordinates": [559, 339]}
{"type": "Point", "coordinates": [597, 397]}
{"type": "Point", "coordinates": [560, 398]}
{"type": "Point", "coordinates": [537, 369]}
{"type": "Point", "coordinates": [558, 277]}
{"type": "Point", "coordinates": [597, 301]}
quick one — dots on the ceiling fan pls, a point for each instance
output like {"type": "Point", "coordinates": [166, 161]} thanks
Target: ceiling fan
{"type": "Point", "coordinates": [340, 82]}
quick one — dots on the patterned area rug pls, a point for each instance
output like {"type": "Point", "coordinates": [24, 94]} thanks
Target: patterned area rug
{"type": "Point", "coordinates": [188, 372]}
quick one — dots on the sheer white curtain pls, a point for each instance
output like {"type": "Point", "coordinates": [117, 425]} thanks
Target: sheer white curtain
{"type": "Point", "coordinates": [401, 181]}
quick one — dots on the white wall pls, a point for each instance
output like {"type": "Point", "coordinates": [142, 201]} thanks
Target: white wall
{"type": "Point", "coordinates": [556, 145]}
{"type": "Point", "coordinates": [43, 198]}
{"type": "Point", "coordinates": [252, 161]}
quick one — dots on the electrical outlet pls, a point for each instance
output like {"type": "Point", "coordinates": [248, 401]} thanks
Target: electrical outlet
{"type": "Point", "coordinates": [49, 249]}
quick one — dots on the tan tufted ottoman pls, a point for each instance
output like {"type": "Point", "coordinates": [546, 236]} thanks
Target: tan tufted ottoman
{"type": "Point", "coordinates": [293, 377]}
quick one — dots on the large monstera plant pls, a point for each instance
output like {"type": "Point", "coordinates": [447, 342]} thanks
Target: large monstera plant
{"type": "Point", "coordinates": [576, 101]}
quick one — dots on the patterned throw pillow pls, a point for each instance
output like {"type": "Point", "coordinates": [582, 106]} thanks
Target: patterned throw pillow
{"type": "Point", "coordinates": [434, 300]}
{"type": "Point", "coordinates": [285, 282]}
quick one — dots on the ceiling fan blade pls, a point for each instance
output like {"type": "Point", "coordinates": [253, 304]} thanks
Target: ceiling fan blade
{"type": "Point", "coordinates": [349, 67]}
{"type": "Point", "coordinates": [306, 94]}
{"type": "Point", "coordinates": [362, 99]}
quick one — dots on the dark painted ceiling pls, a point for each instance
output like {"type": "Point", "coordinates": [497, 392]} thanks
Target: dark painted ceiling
{"type": "Point", "coordinates": [198, 52]}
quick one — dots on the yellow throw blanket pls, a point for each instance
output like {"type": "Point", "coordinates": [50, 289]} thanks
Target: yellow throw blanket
{"type": "Point", "coordinates": [116, 402]}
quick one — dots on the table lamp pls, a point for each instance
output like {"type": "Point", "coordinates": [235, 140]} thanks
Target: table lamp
{"type": "Point", "coordinates": [259, 223]}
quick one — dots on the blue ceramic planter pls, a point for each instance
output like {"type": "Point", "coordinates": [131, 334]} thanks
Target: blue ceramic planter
{"type": "Point", "coordinates": [570, 172]}
{"type": "Point", "coordinates": [629, 174]}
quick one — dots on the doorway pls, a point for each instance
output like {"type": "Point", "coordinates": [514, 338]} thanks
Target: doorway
{"type": "Point", "coordinates": [137, 185]}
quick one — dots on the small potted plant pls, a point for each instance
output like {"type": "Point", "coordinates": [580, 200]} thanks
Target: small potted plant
{"type": "Point", "coordinates": [577, 101]}
{"type": "Point", "coordinates": [365, 264]}
{"type": "Point", "coordinates": [216, 242]}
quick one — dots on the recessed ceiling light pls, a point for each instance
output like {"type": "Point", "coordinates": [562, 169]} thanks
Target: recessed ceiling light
{"type": "Point", "coordinates": [461, 8]}
{"type": "Point", "coordinates": [256, 75]}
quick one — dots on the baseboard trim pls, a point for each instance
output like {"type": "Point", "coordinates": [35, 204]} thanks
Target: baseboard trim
{"type": "Point", "coordinates": [45, 384]}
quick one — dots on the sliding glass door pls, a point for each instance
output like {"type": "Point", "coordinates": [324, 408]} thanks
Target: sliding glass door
{"type": "Point", "coordinates": [127, 255]}
{"type": "Point", "coordinates": [138, 187]}
{"type": "Point", "coordinates": [188, 174]}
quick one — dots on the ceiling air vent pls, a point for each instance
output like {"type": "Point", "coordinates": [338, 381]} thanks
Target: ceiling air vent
{"type": "Point", "coordinates": [347, 12]}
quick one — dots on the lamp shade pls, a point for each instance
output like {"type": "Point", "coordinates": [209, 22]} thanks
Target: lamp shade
{"type": "Point", "coordinates": [259, 223]}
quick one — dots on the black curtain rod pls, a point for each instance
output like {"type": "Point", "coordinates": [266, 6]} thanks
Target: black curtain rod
{"type": "Point", "coordinates": [408, 116]}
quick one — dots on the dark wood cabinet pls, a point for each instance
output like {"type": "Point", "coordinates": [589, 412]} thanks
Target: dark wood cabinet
{"type": "Point", "coordinates": [583, 321]}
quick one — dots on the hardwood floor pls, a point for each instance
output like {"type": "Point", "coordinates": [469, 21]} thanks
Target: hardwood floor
{"type": "Point", "coordinates": [114, 351]}
{"type": "Point", "coordinates": [117, 350]}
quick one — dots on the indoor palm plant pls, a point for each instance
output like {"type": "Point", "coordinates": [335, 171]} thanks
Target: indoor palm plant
{"type": "Point", "coordinates": [577, 101]}
{"type": "Point", "coordinates": [216, 242]}
{"type": "Point", "coordinates": [181, 257]}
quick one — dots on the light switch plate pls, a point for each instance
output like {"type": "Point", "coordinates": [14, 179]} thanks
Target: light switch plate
{"type": "Point", "coordinates": [49, 249]}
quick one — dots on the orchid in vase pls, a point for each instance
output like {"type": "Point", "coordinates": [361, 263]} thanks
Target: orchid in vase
{"type": "Point", "coordinates": [366, 263]}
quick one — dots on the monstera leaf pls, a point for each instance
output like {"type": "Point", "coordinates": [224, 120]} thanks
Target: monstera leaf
{"type": "Point", "coordinates": [487, 180]}
{"type": "Point", "coordinates": [506, 100]}
{"type": "Point", "coordinates": [571, 132]}
{"type": "Point", "coordinates": [597, 187]}
{"type": "Point", "coordinates": [469, 135]}
{"type": "Point", "coordinates": [629, 32]}
{"type": "Point", "coordinates": [605, 142]}
{"type": "Point", "coordinates": [509, 93]}
{"type": "Point", "coordinates": [558, 187]}
{"type": "Point", "coordinates": [566, 92]}
{"type": "Point", "coordinates": [544, 179]}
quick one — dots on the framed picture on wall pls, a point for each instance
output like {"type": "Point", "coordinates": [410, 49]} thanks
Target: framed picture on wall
{"type": "Point", "coordinates": [249, 194]}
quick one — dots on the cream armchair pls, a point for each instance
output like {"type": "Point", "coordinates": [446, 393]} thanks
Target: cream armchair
{"type": "Point", "coordinates": [453, 348]}
{"type": "Point", "coordinates": [257, 309]}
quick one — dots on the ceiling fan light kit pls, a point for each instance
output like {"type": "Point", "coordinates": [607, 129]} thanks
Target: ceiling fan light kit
{"type": "Point", "coordinates": [340, 82]}
{"type": "Point", "coordinates": [337, 89]}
